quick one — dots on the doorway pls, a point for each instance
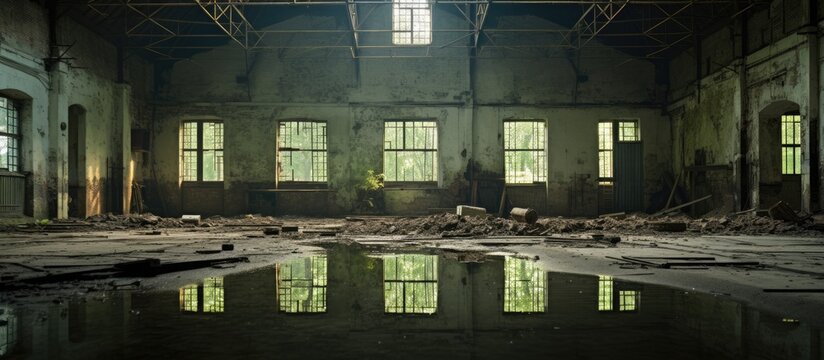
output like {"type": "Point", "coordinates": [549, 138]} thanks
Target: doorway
{"type": "Point", "coordinates": [779, 150]}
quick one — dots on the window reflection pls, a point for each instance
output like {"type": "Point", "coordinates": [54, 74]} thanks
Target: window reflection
{"type": "Point", "coordinates": [207, 298]}
{"type": "Point", "coordinates": [410, 284]}
{"type": "Point", "coordinates": [524, 286]}
{"type": "Point", "coordinates": [213, 294]}
{"type": "Point", "coordinates": [8, 329]}
{"type": "Point", "coordinates": [302, 285]}
{"type": "Point", "coordinates": [608, 297]}
{"type": "Point", "coordinates": [605, 284]}
{"type": "Point", "coordinates": [628, 300]}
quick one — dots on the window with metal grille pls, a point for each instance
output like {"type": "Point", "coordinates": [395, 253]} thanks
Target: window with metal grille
{"type": "Point", "coordinates": [188, 298]}
{"type": "Point", "coordinates": [302, 285]}
{"type": "Point", "coordinates": [410, 284]}
{"type": "Point", "coordinates": [213, 294]}
{"type": "Point", "coordinates": [605, 285]}
{"type": "Point", "coordinates": [411, 22]}
{"type": "Point", "coordinates": [410, 151]}
{"type": "Point", "coordinates": [8, 330]}
{"type": "Point", "coordinates": [207, 297]}
{"type": "Point", "coordinates": [302, 151]}
{"type": "Point", "coordinates": [524, 286]}
{"type": "Point", "coordinates": [791, 144]}
{"type": "Point", "coordinates": [524, 151]}
{"type": "Point", "coordinates": [9, 135]}
{"type": "Point", "coordinates": [609, 132]}
{"type": "Point", "coordinates": [628, 300]}
{"type": "Point", "coordinates": [201, 151]}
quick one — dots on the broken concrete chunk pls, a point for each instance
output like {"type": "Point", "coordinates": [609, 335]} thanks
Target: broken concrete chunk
{"type": "Point", "coordinates": [191, 219]}
{"type": "Point", "coordinates": [289, 228]}
{"type": "Point", "coordinates": [465, 210]}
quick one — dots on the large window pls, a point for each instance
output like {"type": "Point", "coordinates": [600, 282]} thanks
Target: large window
{"type": "Point", "coordinates": [411, 22]}
{"type": "Point", "coordinates": [207, 298]}
{"type": "Point", "coordinates": [524, 151]}
{"type": "Point", "coordinates": [302, 285]}
{"type": "Point", "coordinates": [791, 144]}
{"type": "Point", "coordinates": [410, 284]}
{"type": "Point", "coordinates": [610, 132]}
{"type": "Point", "coordinates": [410, 151]}
{"type": "Point", "coordinates": [202, 151]}
{"type": "Point", "coordinates": [9, 135]}
{"type": "Point", "coordinates": [524, 286]}
{"type": "Point", "coordinates": [302, 151]}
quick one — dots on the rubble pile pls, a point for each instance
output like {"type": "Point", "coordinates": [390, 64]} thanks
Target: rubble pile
{"type": "Point", "coordinates": [452, 225]}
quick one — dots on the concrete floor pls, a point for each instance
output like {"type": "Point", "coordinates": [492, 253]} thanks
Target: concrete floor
{"type": "Point", "coordinates": [786, 262]}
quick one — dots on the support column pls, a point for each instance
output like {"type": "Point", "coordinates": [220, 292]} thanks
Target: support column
{"type": "Point", "coordinates": [58, 144]}
{"type": "Point", "coordinates": [123, 134]}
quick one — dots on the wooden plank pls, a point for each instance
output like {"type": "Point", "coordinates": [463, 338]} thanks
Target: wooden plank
{"type": "Point", "coordinates": [705, 198]}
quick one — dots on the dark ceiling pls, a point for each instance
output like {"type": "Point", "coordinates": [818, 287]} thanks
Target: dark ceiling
{"type": "Point", "coordinates": [177, 29]}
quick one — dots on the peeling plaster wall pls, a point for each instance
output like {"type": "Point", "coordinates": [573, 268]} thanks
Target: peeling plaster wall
{"type": "Point", "coordinates": [468, 98]}
{"type": "Point", "coordinates": [87, 78]}
{"type": "Point", "coordinates": [726, 106]}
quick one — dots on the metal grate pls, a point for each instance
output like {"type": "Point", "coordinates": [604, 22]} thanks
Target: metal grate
{"type": "Point", "coordinates": [410, 284]}
{"type": "Point", "coordinates": [411, 22]}
{"type": "Point", "coordinates": [302, 151]}
{"type": "Point", "coordinates": [302, 285]}
{"type": "Point", "coordinates": [410, 151]}
{"type": "Point", "coordinates": [524, 151]}
{"type": "Point", "coordinates": [524, 286]}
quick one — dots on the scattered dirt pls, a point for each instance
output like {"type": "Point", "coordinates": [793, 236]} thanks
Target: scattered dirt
{"type": "Point", "coordinates": [445, 225]}
{"type": "Point", "coordinates": [451, 225]}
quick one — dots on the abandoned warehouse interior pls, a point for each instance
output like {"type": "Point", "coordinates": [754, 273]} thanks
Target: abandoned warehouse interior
{"type": "Point", "coordinates": [411, 178]}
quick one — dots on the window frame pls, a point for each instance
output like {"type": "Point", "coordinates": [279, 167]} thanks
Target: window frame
{"type": "Point", "coordinates": [616, 137]}
{"type": "Point", "coordinates": [430, 261]}
{"type": "Point", "coordinates": [538, 283]}
{"type": "Point", "coordinates": [318, 282]}
{"type": "Point", "coordinates": [795, 168]}
{"type": "Point", "coordinates": [301, 183]}
{"type": "Point", "coordinates": [13, 107]}
{"type": "Point", "coordinates": [411, 6]}
{"type": "Point", "coordinates": [199, 150]}
{"type": "Point", "coordinates": [543, 175]}
{"type": "Point", "coordinates": [435, 157]}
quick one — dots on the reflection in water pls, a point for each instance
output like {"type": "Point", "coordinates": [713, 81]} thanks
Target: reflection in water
{"type": "Point", "coordinates": [410, 284]}
{"type": "Point", "coordinates": [213, 294]}
{"type": "Point", "coordinates": [628, 300]}
{"type": "Point", "coordinates": [8, 329]}
{"type": "Point", "coordinates": [524, 286]}
{"type": "Point", "coordinates": [605, 284]}
{"type": "Point", "coordinates": [188, 298]}
{"type": "Point", "coordinates": [210, 294]}
{"type": "Point", "coordinates": [302, 285]}
{"type": "Point", "coordinates": [371, 311]}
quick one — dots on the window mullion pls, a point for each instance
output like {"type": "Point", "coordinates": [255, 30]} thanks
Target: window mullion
{"type": "Point", "coordinates": [199, 151]}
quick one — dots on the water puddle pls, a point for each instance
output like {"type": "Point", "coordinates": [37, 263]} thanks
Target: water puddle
{"type": "Point", "coordinates": [346, 303]}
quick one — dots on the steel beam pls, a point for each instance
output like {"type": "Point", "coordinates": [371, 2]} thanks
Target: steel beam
{"type": "Point", "coordinates": [230, 18]}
